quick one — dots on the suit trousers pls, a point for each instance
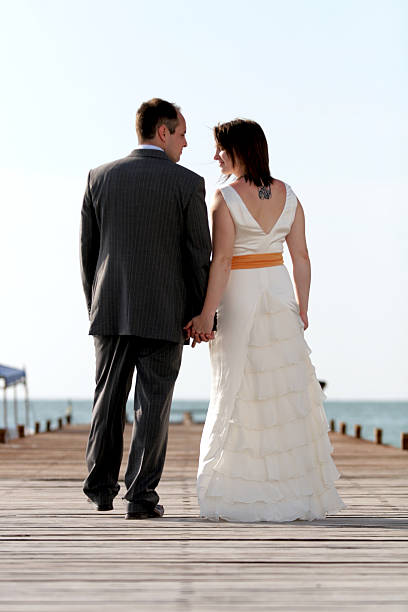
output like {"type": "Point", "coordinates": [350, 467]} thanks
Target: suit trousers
{"type": "Point", "coordinates": [157, 363]}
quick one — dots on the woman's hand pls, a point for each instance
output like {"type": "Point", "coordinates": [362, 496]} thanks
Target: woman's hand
{"type": "Point", "coordinates": [200, 328]}
{"type": "Point", "coordinates": [303, 316]}
{"type": "Point", "coordinates": [296, 242]}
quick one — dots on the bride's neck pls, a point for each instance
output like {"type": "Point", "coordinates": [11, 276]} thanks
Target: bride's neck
{"type": "Point", "coordinates": [239, 173]}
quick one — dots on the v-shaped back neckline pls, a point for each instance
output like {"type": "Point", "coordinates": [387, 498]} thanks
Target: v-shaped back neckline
{"type": "Point", "coordinates": [253, 218]}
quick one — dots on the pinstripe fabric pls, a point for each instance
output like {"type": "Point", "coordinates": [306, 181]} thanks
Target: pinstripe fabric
{"type": "Point", "coordinates": [157, 363]}
{"type": "Point", "coordinates": [145, 246]}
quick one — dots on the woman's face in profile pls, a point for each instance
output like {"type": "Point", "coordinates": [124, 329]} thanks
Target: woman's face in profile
{"type": "Point", "coordinates": [224, 160]}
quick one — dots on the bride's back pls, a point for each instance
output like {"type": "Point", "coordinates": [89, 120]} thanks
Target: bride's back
{"type": "Point", "coordinates": [266, 212]}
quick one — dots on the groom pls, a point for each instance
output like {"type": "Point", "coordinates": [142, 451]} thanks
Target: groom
{"type": "Point", "coordinates": [145, 254]}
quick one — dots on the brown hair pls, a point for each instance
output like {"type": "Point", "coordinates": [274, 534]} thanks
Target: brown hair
{"type": "Point", "coordinates": [245, 142]}
{"type": "Point", "coordinates": [154, 113]}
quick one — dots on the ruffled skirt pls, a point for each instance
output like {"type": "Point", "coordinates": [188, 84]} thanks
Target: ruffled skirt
{"type": "Point", "coordinates": [265, 453]}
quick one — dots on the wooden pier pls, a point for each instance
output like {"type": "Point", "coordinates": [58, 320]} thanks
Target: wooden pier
{"type": "Point", "coordinates": [58, 554]}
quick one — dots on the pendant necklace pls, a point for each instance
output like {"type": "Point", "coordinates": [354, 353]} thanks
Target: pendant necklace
{"type": "Point", "coordinates": [264, 192]}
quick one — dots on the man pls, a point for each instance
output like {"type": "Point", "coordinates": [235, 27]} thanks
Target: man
{"type": "Point", "coordinates": [145, 253]}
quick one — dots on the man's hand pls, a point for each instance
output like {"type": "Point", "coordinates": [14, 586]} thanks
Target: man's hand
{"type": "Point", "coordinates": [200, 329]}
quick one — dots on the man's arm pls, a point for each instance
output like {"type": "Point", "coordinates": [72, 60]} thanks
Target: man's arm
{"type": "Point", "coordinates": [89, 244]}
{"type": "Point", "coordinates": [223, 245]}
{"type": "Point", "coordinates": [197, 249]}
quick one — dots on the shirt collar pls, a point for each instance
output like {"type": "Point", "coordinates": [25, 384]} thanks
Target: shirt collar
{"type": "Point", "coordinates": [148, 146]}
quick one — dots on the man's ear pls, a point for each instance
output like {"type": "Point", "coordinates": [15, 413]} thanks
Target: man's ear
{"type": "Point", "coordinates": [161, 132]}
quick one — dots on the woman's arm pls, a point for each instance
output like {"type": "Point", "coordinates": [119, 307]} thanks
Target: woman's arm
{"type": "Point", "coordinates": [296, 241]}
{"type": "Point", "coordinates": [223, 236]}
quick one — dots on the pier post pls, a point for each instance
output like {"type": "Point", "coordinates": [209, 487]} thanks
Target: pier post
{"type": "Point", "coordinates": [3, 435]}
{"type": "Point", "coordinates": [60, 423]}
{"type": "Point", "coordinates": [48, 426]}
{"type": "Point", "coordinates": [5, 412]}
{"type": "Point", "coordinates": [20, 431]}
{"type": "Point", "coordinates": [343, 427]}
{"type": "Point", "coordinates": [332, 425]}
{"type": "Point", "coordinates": [15, 406]}
{"type": "Point", "coordinates": [68, 413]}
{"type": "Point", "coordinates": [404, 441]}
{"type": "Point", "coordinates": [378, 435]}
{"type": "Point", "coordinates": [37, 427]}
{"type": "Point", "coordinates": [187, 419]}
{"type": "Point", "coordinates": [26, 400]}
{"type": "Point", "coordinates": [357, 431]}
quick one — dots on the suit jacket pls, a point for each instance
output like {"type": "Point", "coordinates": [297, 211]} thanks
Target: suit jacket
{"type": "Point", "coordinates": [145, 246]}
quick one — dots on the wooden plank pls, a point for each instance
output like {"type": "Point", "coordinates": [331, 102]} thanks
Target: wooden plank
{"type": "Point", "coordinates": [59, 554]}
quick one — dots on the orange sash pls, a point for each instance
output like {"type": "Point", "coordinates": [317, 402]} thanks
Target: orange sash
{"type": "Point", "coordinates": [257, 260]}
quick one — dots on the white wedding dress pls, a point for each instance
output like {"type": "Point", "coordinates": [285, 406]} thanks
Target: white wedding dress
{"type": "Point", "coordinates": [265, 453]}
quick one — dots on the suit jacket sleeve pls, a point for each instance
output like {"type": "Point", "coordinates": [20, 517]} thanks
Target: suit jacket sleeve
{"type": "Point", "coordinates": [89, 244]}
{"type": "Point", "coordinates": [197, 243]}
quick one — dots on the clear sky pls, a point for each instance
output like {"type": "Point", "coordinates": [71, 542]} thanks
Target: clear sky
{"type": "Point", "coordinates": [327, 80]}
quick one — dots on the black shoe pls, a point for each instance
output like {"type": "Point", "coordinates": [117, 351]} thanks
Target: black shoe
{"type": "Point", "coordinates": [103, 505]}
{"type": "Point", "coordinates": [156, 512]}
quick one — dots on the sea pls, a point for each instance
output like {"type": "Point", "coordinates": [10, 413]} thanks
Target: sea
{"type": "Point", "coordinates": [391, 416]}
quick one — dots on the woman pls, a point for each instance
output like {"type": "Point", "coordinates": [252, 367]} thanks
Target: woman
{"type": "Point", "coordinates": [265, 454]}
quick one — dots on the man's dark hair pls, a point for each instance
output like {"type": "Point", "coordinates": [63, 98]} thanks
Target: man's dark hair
{"type": "Point", "coordinates": [154, 113]}
{"type": "Point", "coordinates": [245, 142]}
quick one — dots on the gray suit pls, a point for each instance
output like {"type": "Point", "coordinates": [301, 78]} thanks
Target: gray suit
{"type": "Point", "coordinates": [145, 254]}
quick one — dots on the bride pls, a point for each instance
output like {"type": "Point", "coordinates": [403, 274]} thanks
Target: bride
{"type": "Point", "coordinates": [265, 454]}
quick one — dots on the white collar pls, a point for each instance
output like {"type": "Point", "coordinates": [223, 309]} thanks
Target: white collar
{"type": "Point", "coordinates": [148, 146]}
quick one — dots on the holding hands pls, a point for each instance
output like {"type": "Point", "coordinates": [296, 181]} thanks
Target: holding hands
{"type": "Point", "coordinates": [200, 328]}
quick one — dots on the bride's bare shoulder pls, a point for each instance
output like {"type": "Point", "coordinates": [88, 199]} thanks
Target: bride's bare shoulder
{"type": "Point", "coordinates": [278, 185]}
{"type": "Point", "coordinates": [218, 200]}
{"type": "Point", "coordinates": [218, 197]}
